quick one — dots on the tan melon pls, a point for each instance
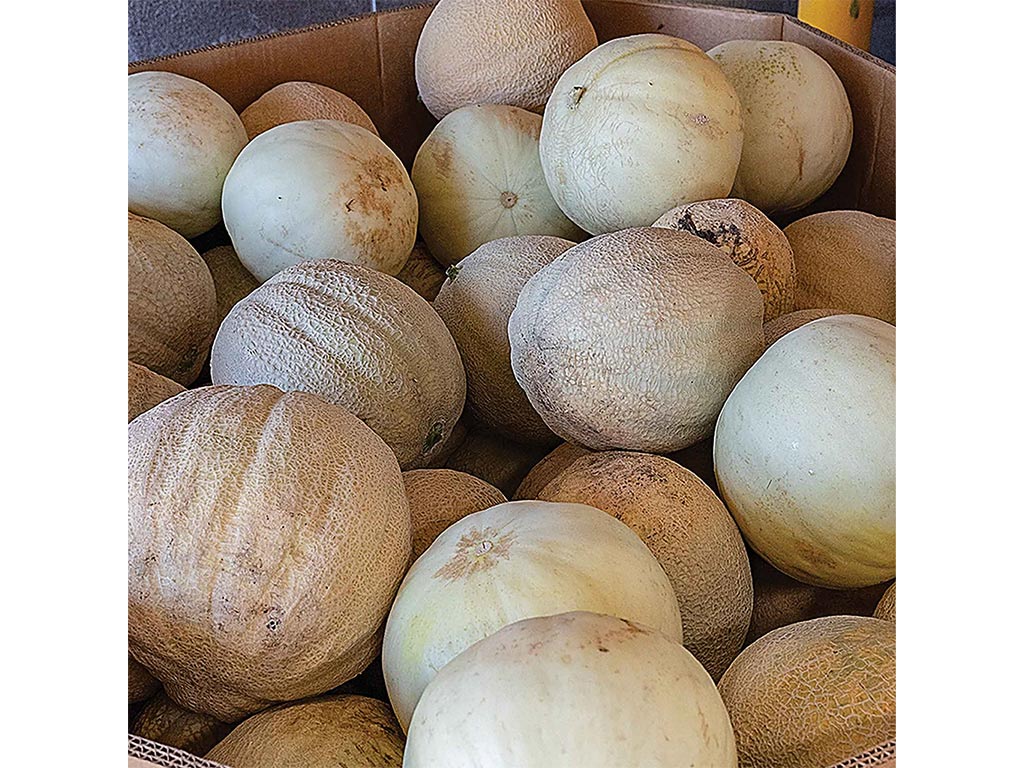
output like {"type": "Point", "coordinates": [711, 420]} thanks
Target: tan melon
{"type": "Point", "coordinates": [845, 260]}
{"type": "Point", "coordinates": [422, 273]}
{"type": "Point", "coordinates": [172, 302]}
{"type": "Point", "coordinates": [329, 732]}
{"type": "Point", "coordinates": [634, 340]}
{"type": "Point", "coordinates": [750, 239]}
{"type": "Point", "coordinates": [163, 721]}
{"type": "Point", "coordinates": [475, 303]}
{"type": "Point", "coordinates": [501, 462]}
{"type": "Point", "coordinates": [299, 100]}
{"type": "Point", "coordinates": [146, 389]}
{"type": "Point", "coordinates": [449, 445]}
{"type": "Point", "coordinates": [780, 326]}
{"type": "Point", "coordinates": [440, 497]}
{"type": "Point", "coordinates": [232, 281]}
{"type": "Point", "coordinates": [268, 533]}
{"type": "Point", "coordinates": [813, 693]}
{"type": "Point", "coordinates": [497, 52]}
{"type": "Point", "coordinates": [547, 469]}
{"type": "Point", "coordinates": [356, 337]}
{"type": "Point", "coordinates": [887, 605]}
{"type": "Point", "coordinates": [687, 528]}
{"type": "Point", "coordinates": [478, 178]}
{"type": "Point", "coordinates": [141, 684]}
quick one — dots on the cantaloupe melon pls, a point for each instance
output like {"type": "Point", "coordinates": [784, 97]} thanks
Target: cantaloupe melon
{"type": "Point", "coordinates": [547, 469]}
{"type": "Point", "coordinates": [163, 721]}
{"type": "Point", "coordinates": [328, 732]}
{"type": "Point", "coordinates": [887, 605]}
{"type": "Point", "coordinates": [146, 389]}
{"type": "Point", "coordinates": [232, 281]}
{"type": "Point", "coordinates": [501, 462]}
{"type": "Point", "coordinates": [358, 338]}
{"type": "Point", "coordinates": [440, 497]}
{"type": "Point", "coordinates": [498, 52]}
{"type": "Point", "coordinates": [575, 689]}
{"type": "Point", "coordinates": [475, 303]}
{"type": "Point", "coordinates": [689, 531]}
{"type": "Point", "coordinates": [780, 326]}
{"type": "Point", "coordinates": [633, 340]}
{"type": "Point", "coordinates": [813, 693]}
{"type": "Point", "coordinates": [141, 684]}
{"type": "Point", "coordinates": [422, 273]}
{"type": "Point", "coordinates": [510, 562]}
{"type": "Point", "coordinates": [299, 100]}
{"type": "Point", "coordinates": [267, 535]}
{"type": "Point", "coordinates": [172, 302]}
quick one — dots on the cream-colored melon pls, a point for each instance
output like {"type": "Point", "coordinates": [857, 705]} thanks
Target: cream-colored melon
{"type": "Point", "coordinates": [146, 389]}
{"type": "Point", "coordinates": [440, 497]}
{"type": "Point", "coordinates": [633, 340]}
{"type": "Point", "coordinates": [780, 326]}
{"type": "Point", "coordinates": [478, 178]}
{"type": "Point", "coordinates": [475, 303]}
{"type": "Point", "coordinates": [846, 260]}
{"type": "Point", "coordinates": [576, 689]}
{"type": "Point", "coordinates": [231, 279]}
{"type": "Point", "coordinates": [498, 52]}
{"type": "Point", "coordinates": [688, 530]}
{"type": "Point", "coordinates": [501, 462]}
{"type": "Point", "coordinates": [422, 273]}
{"type": "Point", "coordinates": [886, 608]}
{"type": "Point", "coordinates": [319, 189]}
{"type": "Point", "coordinates": [547, 469]}
{"type": "Point", "coordinates": [299, 100]}
{"type": "Point", "coordinates": [805, 453]}
{"type": "Point", "coordinates": [797, 122]}
{"type": "Point", "coordinates": [172, 302]}
{"type": "Point", "coordinates": [510, 562]}
{"type": "Point", "coordinates": [639, 125]}
{"type": "Point", "coordinates": [356, 337]}
{"type": "Point", "coordinates": [328, 732]}
{"type": "Point", "coordinates": [267, 536]}
{"type": "Point", "coordinates": [814, 693]}
{"type": "Point", "coordinates": [182, 139]}
{"type": "Point", "coordinates": [141, 684]}
{"type": "Point", "coordinates": [750, 239]}
{"type": "Point", "coordinates": [164, 722]}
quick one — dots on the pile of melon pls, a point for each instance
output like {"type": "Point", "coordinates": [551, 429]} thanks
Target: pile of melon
{"type": "Point", "coordinates": [577, 298]}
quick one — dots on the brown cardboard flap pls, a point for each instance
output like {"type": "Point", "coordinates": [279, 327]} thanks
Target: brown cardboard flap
{"type": "Point", "coordinates": [702, 25]}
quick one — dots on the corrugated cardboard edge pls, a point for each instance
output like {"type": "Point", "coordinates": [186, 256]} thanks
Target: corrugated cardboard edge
{"type": "Point", "coordinates": [882, 756]}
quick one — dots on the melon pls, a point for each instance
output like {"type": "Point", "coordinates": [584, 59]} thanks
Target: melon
{"type": "Point", "coordinates": [639, 125]}
{"type": "Point", "coordinates": [805, 453]}
{"type": "Point", "coordinates": [182, 139]}
{"type": "Point", "coordinates": [319, 189]}
{"type": "Point", "coordinates": [886, 608]}
{"type": "Point", "coordinates": [501, 462]}
{"type": "Point", "coordinates": [797, 122]}
{"type": "Point", "coordinates": [750, 239]}
{"type": "Point", "coordinates": [575, 689]}
{"type": "Point", "coordinates": [440, 497]}
{"type": "Point", "coordinates": [422, 273]}
{"type": "Point", "coordinates": [497, 52]}
{"type": "Point", "coordinates": [780, 326]}
{"type": "Point", "coordinates": [813, 693]}
{"type": "Point", "coordinates": [163, 721]}
{"type": "Point", "coordinates": [475, 303]}
{"type": "Point", "coordinates": [688, 530]}
{"type": "Point", "coordinates": [141, 684]}
{"type": "Point", "coordinates": [547, 469]}
{"type": "Point", "coordinates": [299, 100]}
{"type": "Point", "coordinates": [328, 732]}
{"type": "Point", "coordinates": [699, 458]}
{"type": "Point", "coordinates": [846, 260]}
{"type": "Point", "coordinates": [478, 178]}
{"type": "Point", "coordinates": [232, 281]}
{"type": "Point", "coordinates": [510, 562]}
{"type": "Point", "coordinates": [172, 302]}
{"type": "Point", "coordinates": [633, 340]}
{"type": "Point", "coordinates": [356, 337]}
{"type": "Point", "coordinates": [147, 389]}
{"type": "Point", "coordinates": [267, 536]}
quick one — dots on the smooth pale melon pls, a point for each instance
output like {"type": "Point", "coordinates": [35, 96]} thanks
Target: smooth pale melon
{"type": "Point", "coordinates": [172, 302]}
{"type": "Point", "coordinates": [475, 303]}
{"type": "Point", "coordinates": [575, 689]}
{"type": "Point", "coordinates": [780, 326]}
{"type": "Point", "coordinates": [688, 530]}
{"type": "Point", "coordinates": [182, 139]}
{"type": "Point", "coordinates": [805, 453]}
{"type": "Point", "coordinates": [887, 605]}
{"type": "Point", "coordinates": [422, 273]}
{"type": "Point", "coordinates": [232, 281]}
{"type": "Point", "coordinates": [299, 100]}
{"type": "Point", "coordinates": [498, 52]}
{"type": "Point", "coordinates": [501, 462]}
{"type": "Point", "coordinates": [356, 337]}
{"type": "Point", "coordinates": [141, 684]}
{"type": "Point", "coordinates": [147, 389]}
{"type": "Point", "coordinates": [813, 693]}
{"type": "Point", "coordinates": [440, 497]}
{"type": "Point", "coordinates": [634, 340]}
{"type": "Point", "coordinates": [797, 122]}
{"type": "Point", "coordinates": [267, 535]}
{"type": "Point", "coordinates": [547, 469]}
{"type": "Point", "coordinates": [510, 562]}
{"type": "Point", "coordinates": [328, 732]}
{"type": "Point", "coordinates": [639, 125]}
{"type": "Point", "coordinates": [164, 722]}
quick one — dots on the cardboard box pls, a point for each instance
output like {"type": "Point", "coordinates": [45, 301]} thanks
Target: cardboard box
{"type": "Point", "coordinates": [370, 58]}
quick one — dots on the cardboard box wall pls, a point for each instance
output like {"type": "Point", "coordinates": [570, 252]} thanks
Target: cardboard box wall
{"type": "Point", "coordinates": [370, 58]}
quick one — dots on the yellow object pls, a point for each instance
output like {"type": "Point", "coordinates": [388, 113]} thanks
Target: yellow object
{"type": "Point", "coordinates": [849, 20]}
